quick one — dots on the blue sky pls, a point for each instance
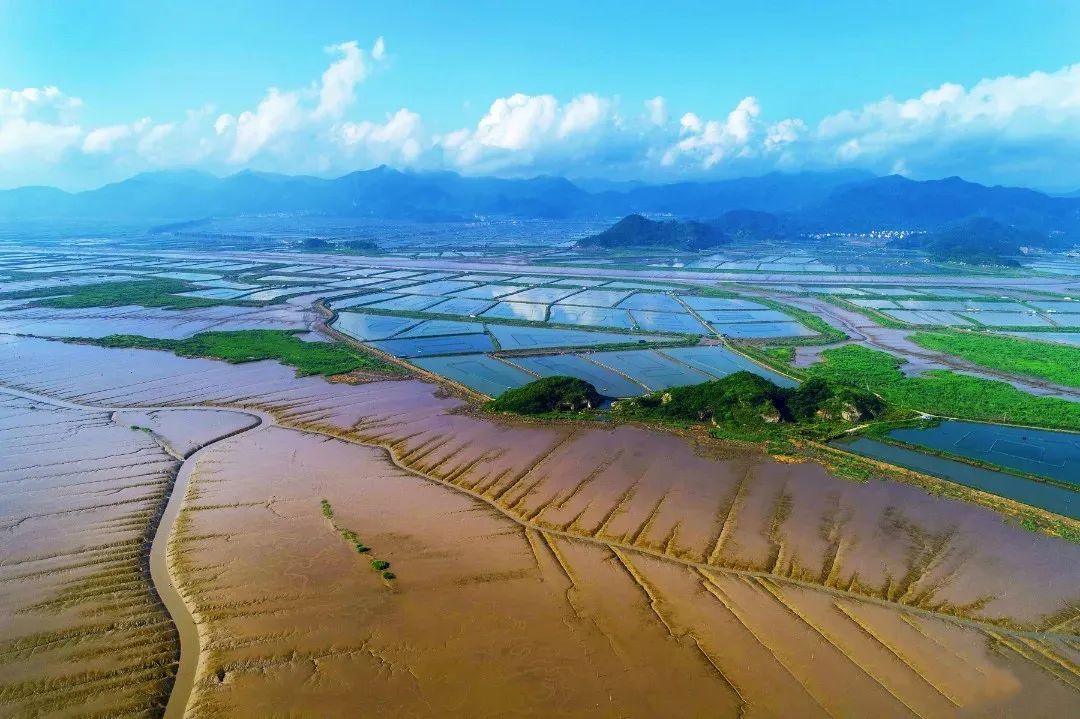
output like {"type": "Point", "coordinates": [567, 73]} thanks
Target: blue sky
{"type": "Point", "coordinates": [93, 92]}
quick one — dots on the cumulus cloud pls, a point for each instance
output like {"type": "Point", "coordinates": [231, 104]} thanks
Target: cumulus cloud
{"type": "Point", "coordinates": [1035, 114]}
{"type": "Point", "coordinates": [103, 139]}
{"type": "Point", "coordinates": [399, 138]}
{"type": "Point", "coordinates": [36, 140]}
{"type": "Point", "coordinates": [36, 128]}
{"type": "Point", "coordinates": [708, 142]}
{"type": "Point", "coordinates": [32, 100]}
{"type": "Point", "coordinates": [339, 82]}
{"type": "Point", "coordinates": [1004, 129]}
{"type": "Point", "coordinates": [522, 130]}
{"type": "Point", "coordinates": [278, 114]}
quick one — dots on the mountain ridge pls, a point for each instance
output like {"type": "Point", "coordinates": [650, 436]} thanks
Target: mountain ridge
{"type": "Point", "coordinates": [842, 201]}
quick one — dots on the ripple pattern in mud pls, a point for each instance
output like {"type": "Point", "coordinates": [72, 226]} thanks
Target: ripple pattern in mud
{"type": "Point", "coordinates": [800, 593]}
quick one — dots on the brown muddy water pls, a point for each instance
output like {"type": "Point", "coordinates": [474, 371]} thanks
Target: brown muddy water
{"type": "Point", "coordinates": [549, 570]}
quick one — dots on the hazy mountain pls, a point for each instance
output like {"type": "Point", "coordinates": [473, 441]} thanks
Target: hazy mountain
{"type": "Point", "coordinates": [785, 203]}
{"type": "Point", "coordinates": [899, 203]}
{"type": "Point", "coordinates": [634, 231]}
{"type": "Point", "coordinates": [750, 225]}
{"type": "Point", "coordinates": [979, 241]}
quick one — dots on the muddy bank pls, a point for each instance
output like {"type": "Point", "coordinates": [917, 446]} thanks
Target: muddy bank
{"type": "Point", "coordinates": [854, 597]}
{"type": "Point", "coordinates": [83, 490]}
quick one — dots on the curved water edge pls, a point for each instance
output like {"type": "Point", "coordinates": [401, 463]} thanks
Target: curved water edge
{"type": "Point", "coordinates": [162, 581]}
{"type": "Point", "coordinates": [167, 586]}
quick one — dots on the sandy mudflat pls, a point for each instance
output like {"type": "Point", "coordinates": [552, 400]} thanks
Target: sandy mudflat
{"type": "Point", "coordinates": [562, 571]}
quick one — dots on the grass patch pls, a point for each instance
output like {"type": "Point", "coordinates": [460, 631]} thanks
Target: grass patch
{"type": "Point", "coordinates": [943, 392]}
{"type": "Point", "coordinates": [145, 293]}
{"type": "Point", "coordinates": [379, 565]}
{"type": "Point", "coordinates": [1056, 363]}
{"type": "Point", "coordinates": [309, 358]}
{"type": "Point", "coordinates": [785, 355]}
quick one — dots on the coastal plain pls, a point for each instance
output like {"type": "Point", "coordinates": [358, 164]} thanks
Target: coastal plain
{"type": "Point", "coordinates": [186, 536]}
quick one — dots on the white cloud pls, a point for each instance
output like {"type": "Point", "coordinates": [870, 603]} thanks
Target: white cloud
{"type": "Point", "coordinates": [707, 143]}
{"type": "Point", "coordinates": [277, 114]}
{"type": "Point", "coordinates": [399, 138]}
{"type": "Point", "coordinates": [37, 126]}
{"type": "Point", "coordinates": [582, 114]}
{"type": "Point", "coordinates": [656, 110]}
{"type": "Point", "coordinates": [32, 100]}
{"type": "Point", "coordinates": [224, 123]}
{"type": "Point", "coordinates": [35, 140]}
{"type": "Point", "coordinates": [338, 89]}
{"type": "Point", "coordinates": [102, 139]}
{"type": "Point", "coordinates": [523, 131]}
{"type": "Point", "coordinates": [1005, 129]}
{"type": "Point", "coordinates": [784, 133]}
{"type": "Point", "coordinates": [1000, 112]}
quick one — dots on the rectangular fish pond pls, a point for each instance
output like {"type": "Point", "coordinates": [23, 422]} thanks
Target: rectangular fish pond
{"type": "Point", "coordinates": [1044, 495]}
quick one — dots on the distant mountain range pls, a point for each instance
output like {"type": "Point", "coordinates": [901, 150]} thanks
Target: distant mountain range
{"type": "Point", "coordinates": [806, 202]}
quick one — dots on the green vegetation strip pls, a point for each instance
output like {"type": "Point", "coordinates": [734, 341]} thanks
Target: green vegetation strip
{"type": "Point", "coordinates": [145, 293]}
{"type": "Point", "coordinates": [879, 318]}
{"type": "Point", "coordinates": [379, 565]}
{"type": "Point", "coordinates": [1056, 363]}
{"type": "Point", "coordinates": [944, 393]}
{"type": "Point", "coordinates": [309, 358]}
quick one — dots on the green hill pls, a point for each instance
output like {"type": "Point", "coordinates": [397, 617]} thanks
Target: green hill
{"type": "Point", "coordinates": [635, 231]}
{"type": "Point", "coordinates": [548, 394]}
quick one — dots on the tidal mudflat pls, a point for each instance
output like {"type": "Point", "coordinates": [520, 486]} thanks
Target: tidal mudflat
{"type": "Point", "coordinates": [559, 570]}
{"type": "Point", "coordinates": [82, 628]}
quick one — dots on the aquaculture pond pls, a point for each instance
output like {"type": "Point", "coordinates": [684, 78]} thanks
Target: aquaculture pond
{"type": "Point", "coordinates": [758, 330]}
{"type": "Point", "coordinates": [431, 346]}
{"type": "Point", "coordinates": [720, 361]}
{"type": "Point", "coordinates": [590, 316]}
{"type": "Point", "coordinates": [477, 371]}
{"type": "Point", "coordinates": [513, 337]}
{"type": "Point", "coordinates": [607, 382]}
{"type": "Point", "coordinates": [1046, 453]}
{"type": "Point", "coordinates": [371, 327]}
{"type": "Point", "coordinates": [1044, 495]}
{"type": "Point", "coordinates": [650, 368]}
{"type": "Point", "coordinates": [668, 322]}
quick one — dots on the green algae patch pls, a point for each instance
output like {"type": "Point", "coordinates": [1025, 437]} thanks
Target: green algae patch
{"type": "Point", "coordinates": [144, 293]}
{"type": "Point", "coordinates": [309, 358]}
